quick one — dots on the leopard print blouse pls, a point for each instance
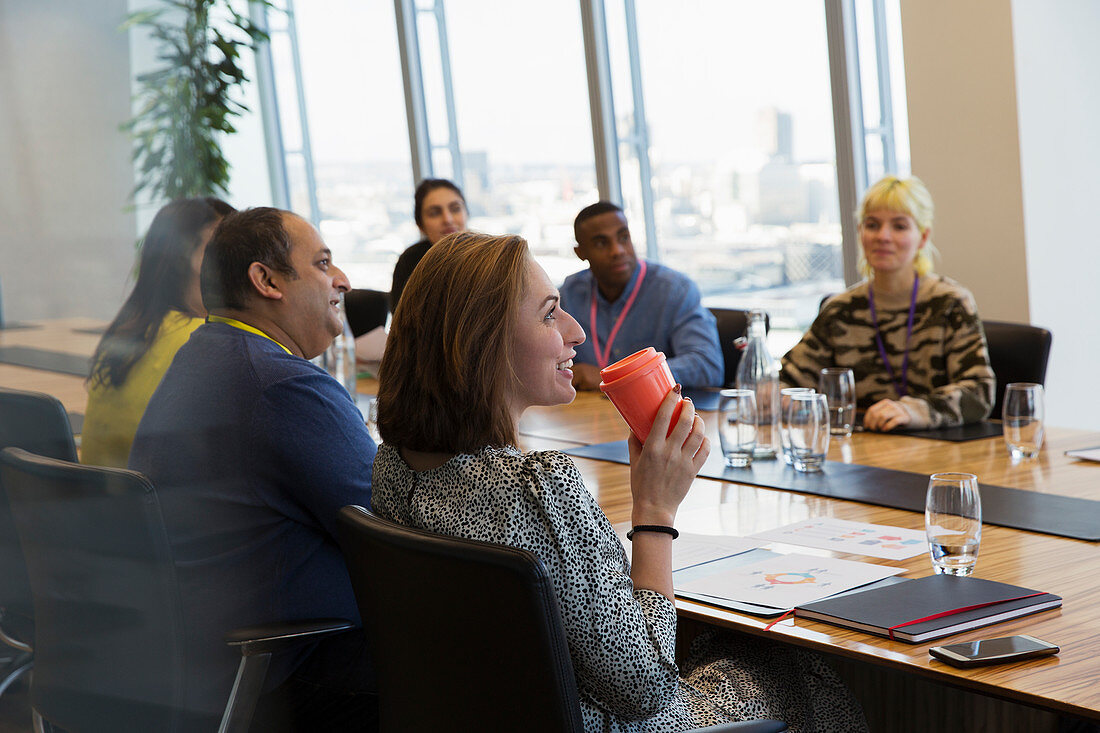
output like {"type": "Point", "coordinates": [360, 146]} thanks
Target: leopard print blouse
{"type": "Point", "coordinates": [622, 640]}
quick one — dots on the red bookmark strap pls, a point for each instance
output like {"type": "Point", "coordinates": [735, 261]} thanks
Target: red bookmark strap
{"type": "Point", "coordinates": [959, 610]}
{"type": "Point", "coordinates": [781, 618]}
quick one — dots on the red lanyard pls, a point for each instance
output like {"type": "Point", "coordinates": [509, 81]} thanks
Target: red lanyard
{"type": "Point", "coordinates": [603, 359]}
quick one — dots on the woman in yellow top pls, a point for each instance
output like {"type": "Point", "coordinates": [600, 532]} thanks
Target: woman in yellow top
{"type": "Point", "coordinates": [154, 322]}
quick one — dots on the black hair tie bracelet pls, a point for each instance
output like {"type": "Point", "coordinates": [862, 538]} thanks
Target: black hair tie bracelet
{"type": "Point", "coordinates": [652, 528]}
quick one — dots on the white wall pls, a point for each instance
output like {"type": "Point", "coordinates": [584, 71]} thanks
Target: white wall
{"type": "Point", "coordinates": [1058, 89]}
{"type": "Point", "coordinates": [66, 231]}
{"type": "Point", "coordinates": [961, 92]}
{"type": "Point", "coordinates": [66, 243]}
{"type": "Point", "coordinates": [1004, 98]}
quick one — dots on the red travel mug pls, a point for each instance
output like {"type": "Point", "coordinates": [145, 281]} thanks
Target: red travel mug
{"type": "Point", "coordinates": [636, 385]}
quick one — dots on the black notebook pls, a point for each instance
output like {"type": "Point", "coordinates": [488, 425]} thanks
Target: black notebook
{"type": "Point", "coordinates": [928, 608]}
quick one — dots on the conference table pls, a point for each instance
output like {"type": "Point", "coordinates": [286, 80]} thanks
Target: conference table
{"type": "Point", "coordinates": [1067, 683]}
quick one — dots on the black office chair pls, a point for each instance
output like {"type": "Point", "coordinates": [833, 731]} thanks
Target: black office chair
{"type": "Point", "coordinates": [366, 310]}
{"type": "Point", "coordinates": [38, 423]}
{"type": "Point", "coordinates": [1017, 353]}
{"type": "Point", "coordinates": [476, 623]}
{"type": "Point", "coordinates": [732, 325]}
{"type": "Point", "coordinates": [109, 646]}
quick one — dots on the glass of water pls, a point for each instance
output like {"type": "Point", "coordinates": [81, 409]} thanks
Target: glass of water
{"type": "Point", "coordinates": [784, 432]}
{"type": "Point", "coordinates": [1023, 419]}
{"type": "Point", "coordinates": [808, 430]}
{"type": "Point", "coordinates": [953, 522]}
{"type": "Point", "coordinates": [737, 426]}
{"type": "Point", "coordinates": [838, 384]}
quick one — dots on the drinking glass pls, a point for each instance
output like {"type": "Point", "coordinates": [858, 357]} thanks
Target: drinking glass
{"type": "Point", "coordinates": [838, 384]}
{"type": "Point", "coordinates": [737, 426]}
{"type": "Point", "coordinates": [953, 522]}
{"type": "Point", "coordinates": [808, 430]}
{"type": "Point", "coordinates": [1023, 419]}
{"type": "Point", "coordinates": [784, 434]}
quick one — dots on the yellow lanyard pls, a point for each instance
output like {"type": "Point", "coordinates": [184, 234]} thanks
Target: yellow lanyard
{"type": "Point", "coordinates": [245, 327]}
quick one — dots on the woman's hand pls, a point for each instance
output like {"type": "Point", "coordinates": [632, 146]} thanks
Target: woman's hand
{"type": "Point", "coordinates": [661, 473]}
{"type": "Point", "coordinates": [662, 470]}
{"type": "Point", "coordinates": [886, 415]}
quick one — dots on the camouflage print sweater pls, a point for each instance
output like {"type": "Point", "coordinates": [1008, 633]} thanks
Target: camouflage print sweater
{"type": "Point", "coordinates": [950, 381]}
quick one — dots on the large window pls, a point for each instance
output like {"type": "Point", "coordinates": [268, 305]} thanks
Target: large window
{"type": "Point", "coordinates": [712, 121]}
{"type": "Point", "coordinates": [738, 132]}
{"type": "Point", "coordinates": [522, 121]}
{"type": "Point", "coordinates": [354, 111]}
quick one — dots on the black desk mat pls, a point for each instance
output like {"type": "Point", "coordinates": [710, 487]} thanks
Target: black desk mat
{"type": "Point", "coordinates": [960, 434]}
{"type": "Point", "coordinates": [1063, 516]}
{"type": "Point", "coordinates": [93, 330]}
{"type": "Point", "coordinates": [704, 399]}
{"type": "Point", "coordinates": [14, 326]}
{"type": "Point", "coordinates": [50, 361]}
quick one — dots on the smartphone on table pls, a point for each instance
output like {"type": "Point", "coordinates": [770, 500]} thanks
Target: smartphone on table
{"type": "Point", "coordinates": [993, 651]}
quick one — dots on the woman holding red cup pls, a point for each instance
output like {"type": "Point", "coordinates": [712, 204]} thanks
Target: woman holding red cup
{"type": "Point", "coordinates": [478, 339]}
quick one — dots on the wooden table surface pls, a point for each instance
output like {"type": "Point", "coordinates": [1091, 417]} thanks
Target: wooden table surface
{"type": "Point", "coordinates": [1068, 682]}
{"type": "Point", "coordinates": [66, 335]}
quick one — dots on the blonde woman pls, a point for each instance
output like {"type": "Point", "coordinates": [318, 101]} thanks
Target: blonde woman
{"type": "Point", "coordinates": [912, 338]}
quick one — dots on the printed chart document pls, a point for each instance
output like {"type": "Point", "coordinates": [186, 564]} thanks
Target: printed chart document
{"type": "Point", "coordinates": [783, 581]}
{"type": "Point", "coordinates": [857, 538]}
{"type": "Point", "coordinates": [695, 549]}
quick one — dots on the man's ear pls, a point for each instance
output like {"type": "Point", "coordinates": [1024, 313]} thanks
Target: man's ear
{"type": "Point", "coordinates": [579, 252]}
{"type": "Point", "coordinates": [263, 281]}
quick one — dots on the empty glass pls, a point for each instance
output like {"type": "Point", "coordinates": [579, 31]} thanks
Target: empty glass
{"type": "Point", "coordinates": [838, 384]}
{"type": "Point", "coordinates": [808, 430]}
{"type": "Point", "coordinates": [784, 402]}
{"type": "Point", "coordinates": [1023, 419]}
{"type": "Point", "coordinates": [737, 426]}
{"type": "Point", "coordinates": [953, 522]}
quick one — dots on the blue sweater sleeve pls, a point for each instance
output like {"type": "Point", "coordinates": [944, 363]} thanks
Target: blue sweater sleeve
{"type": "Point", "coordinates": [697, 357]}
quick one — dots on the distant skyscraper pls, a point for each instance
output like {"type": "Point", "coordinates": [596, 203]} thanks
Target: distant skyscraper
{"type": "Point", "coordinates": [776, 132]}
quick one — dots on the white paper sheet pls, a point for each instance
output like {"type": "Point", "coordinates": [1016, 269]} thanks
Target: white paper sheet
{"type": "Point", "coordinates": [693, 549]}
{"type": "Point", "coordinates": [857, 538]}
{"type": "Point", "coordinates": [788, 580]}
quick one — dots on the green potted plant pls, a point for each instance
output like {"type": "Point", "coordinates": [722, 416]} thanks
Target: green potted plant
{"type": "Point", "coordinates": [187, 104]}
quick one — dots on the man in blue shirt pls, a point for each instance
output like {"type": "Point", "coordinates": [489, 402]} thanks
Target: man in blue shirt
{"type": "Point", "coordinates": [254, 450]}
{"type": "Point", "coordinates": [625, 304]}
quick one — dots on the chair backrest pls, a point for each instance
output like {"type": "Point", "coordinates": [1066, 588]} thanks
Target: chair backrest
{"type": "Point", "coordinates": [366, 310]}
{"type": "Point", "coordinates": [466, 635]}
{"type": "Point", "coordinates": [37, 423]}
{"type": "Point", "coordinates": [108, 636]}
{"type": "Point", "coordinates": [732, 325]}
{"type": "Point", "coordinates": [1017, 353]}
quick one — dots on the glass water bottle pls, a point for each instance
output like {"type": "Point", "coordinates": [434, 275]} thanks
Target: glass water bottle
{"type": "Point", "coordinates": [339, 358]}
{"type": "Point", "coordinates": [759, 372]}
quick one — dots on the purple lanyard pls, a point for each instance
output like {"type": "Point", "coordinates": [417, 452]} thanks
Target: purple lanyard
{"type": "Point", "coordinates": [901, 387]}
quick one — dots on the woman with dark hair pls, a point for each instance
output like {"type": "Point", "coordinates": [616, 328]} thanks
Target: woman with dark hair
{"type": "Point", "coordinates": [439, 209]}
{"type": "Point", "coordinates": [479, 338]}
{"type": "Point", "coordinates": [154, 322]}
